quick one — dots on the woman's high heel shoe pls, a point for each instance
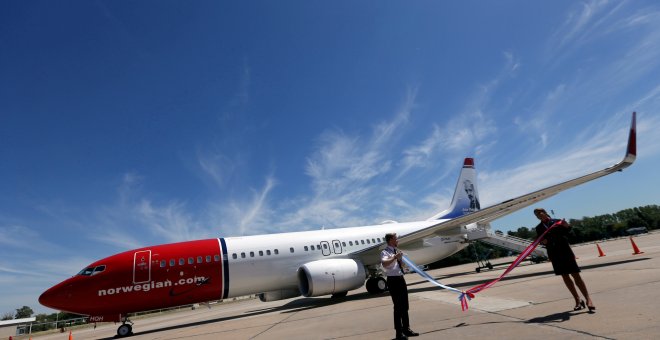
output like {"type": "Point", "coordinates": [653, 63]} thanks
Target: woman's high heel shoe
{"type": "Point", "coordinates": [591, 308]}
{"type": "Point", "coordinates": [580, 305]}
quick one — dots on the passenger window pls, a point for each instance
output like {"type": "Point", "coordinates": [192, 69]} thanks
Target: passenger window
{"type": "Point", "coordinates": [343, 244]}
{"type": "Point", "coordinates": [191, 260]}
{"type": "Point", "coordinates": [362, 241]}
{"type": "Point", "coordinates": [208, 258]}
{"type": "Point", "coordinates": [182, 262]}
{"type": "Point", "coordinates": [373, 240]}
{"type": "Point", "coordinates": [261, 253]}
{"type": "Point", "coordinates": [163, 263]}
{"type": "Point", "coordinates": [234, 256]}
{"type": "Point", "coordinates": [199, 259]}
{"type": "Point", "coordinates": [242, 255]}
{"type": "Point", "coordinates": [379, 240]}
{"type": "Point", "coordinates": [313, 248]}
{"type": "Point", "coordinates": [251, 254]}
{"type": "Point", "coordinates": [216, 258]}
{"type": "Point", "coordinates": [306, 248]}
{"type": "Point", "coordinates": [276, 251]}
{"type": "Point", "coordinates": [172, 263]}
{"type": "Point", "coordinates": [291, 249]}
{"type": "Point", "coordinates": [368, 242]}
{"type": "Point", "coordinates": [350, 243]}
{"type": "Point", "coordinates": [268, 252]}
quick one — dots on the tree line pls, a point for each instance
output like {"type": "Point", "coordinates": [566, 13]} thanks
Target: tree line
{"type": "Point", "coordinates": [605, 226]}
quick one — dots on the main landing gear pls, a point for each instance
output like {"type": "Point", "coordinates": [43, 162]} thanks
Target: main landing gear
{"type": "Point", "coordinates": [125, 329]}
{"type": "Point", "coordinates": [376, 285]}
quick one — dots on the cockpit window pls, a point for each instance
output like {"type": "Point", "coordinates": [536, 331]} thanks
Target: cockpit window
{"type": "Point", "coordinates": [98, 269]}
{"type": "Point", "coordinates": [86, 271]}
{"type": "Point", "coordinates": [92, 270]}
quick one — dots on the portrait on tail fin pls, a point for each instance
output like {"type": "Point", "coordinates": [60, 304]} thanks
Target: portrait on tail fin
{"type": "Point", "coordinates": [469, 188]}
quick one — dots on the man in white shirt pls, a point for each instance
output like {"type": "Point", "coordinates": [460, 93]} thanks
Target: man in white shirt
{"type": "Point", "coordinates": [390, 258]}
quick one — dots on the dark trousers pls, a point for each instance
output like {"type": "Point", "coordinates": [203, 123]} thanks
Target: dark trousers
{"type": "Point", "coordinates": [399, 293]}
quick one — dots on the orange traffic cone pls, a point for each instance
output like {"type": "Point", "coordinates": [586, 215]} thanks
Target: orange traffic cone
{"type": "Point", "coordinates": [70, 335]}
{"type": "Point", "coordinates": [600, 251]}
{"type": "Point", "coordinates": [635, 249]}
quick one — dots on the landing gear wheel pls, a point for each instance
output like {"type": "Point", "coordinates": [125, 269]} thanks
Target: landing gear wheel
{"type": "Point", "coordinates": [478, 269]}
{"type": "Point", "coordinates": [381, 283]}
{"type": "Point", "coordinates": [124, 330]}
{"type": "Point", "coordinates": [376, 285]}
{"type": "Point", "coordinates": [371, 286]}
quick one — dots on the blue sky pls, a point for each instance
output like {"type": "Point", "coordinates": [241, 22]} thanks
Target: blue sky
{"type": "Point", "coordinates": [126, 124]}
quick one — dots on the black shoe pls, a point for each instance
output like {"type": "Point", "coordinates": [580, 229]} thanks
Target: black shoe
{"type": "Point", "coordinates": [580, 305]}
{"type": "Point", "coordinates": [401, 337]}
{"type": "Point", "coordinates": [410, 332]}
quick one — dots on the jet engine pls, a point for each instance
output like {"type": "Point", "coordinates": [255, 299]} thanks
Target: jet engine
{"type": "Point", "coordinates": [331, 276]}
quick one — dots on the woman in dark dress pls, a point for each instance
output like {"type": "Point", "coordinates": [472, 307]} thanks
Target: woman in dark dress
{"type": "Point", "coordinates": [562, 257]}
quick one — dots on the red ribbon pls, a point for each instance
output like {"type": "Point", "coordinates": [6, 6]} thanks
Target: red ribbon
{"type": "Point", "coordinates": [469, 294]}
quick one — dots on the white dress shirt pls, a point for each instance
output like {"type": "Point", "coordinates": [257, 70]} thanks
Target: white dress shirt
{"type": "Point", "coordinates": [393, 269]}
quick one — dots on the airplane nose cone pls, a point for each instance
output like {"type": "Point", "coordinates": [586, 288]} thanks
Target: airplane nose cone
{"type": "Point", "coordinates": [57, 297]}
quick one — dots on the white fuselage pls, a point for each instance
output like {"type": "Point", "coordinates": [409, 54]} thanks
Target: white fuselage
{"type": "Point", "coordinates": [263, 263]}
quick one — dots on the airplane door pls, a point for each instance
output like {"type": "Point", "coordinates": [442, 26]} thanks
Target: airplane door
{"type": "Point", "coordinates": [336, 246]}
{"type": "Point", "coordinates": [142, 266]}
{"type": "Point", "coordinates": [325, 248]}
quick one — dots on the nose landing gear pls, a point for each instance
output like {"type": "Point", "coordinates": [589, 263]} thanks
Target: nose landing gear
{"type": "Point", "coordinates": [125, 329]}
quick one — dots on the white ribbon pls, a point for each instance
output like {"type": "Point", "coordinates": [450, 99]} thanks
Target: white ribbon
{"type": "Point", "coordinates": [426, 276]}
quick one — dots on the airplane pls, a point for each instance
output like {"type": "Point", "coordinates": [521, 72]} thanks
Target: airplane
{"type": "Point", "coordinates": [284, 265]}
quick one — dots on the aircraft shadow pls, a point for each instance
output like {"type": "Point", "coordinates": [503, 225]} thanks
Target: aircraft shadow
{"type": "Point", "coordinates": [311, 303]}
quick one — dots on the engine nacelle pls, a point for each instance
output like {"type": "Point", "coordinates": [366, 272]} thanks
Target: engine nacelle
{"type": "Point", "coordinates": [279, 294]}
{"type": "Point", "coordinates": [331, 276]}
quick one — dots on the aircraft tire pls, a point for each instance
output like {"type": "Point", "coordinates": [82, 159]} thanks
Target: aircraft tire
{"type": "Point", "coordinates": [124, 330]}
{"type": "Point", "coordinates": [371, 285]}
{"type": "Point", "coordinates": [381, 284]}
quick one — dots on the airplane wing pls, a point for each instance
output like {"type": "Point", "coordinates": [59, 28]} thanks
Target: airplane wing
{"type": "Point", "coordinates": [504, 208]}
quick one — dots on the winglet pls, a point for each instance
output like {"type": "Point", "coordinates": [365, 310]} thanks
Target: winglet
{"type": "Point", "coordinates": [631, 151]}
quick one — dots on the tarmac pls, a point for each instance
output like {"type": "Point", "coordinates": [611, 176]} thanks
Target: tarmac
{"type": "Point", "coordinates": [531, 302]}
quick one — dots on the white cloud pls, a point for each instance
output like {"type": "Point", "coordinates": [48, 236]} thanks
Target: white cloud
{"type": "Point", "coordinates": [579, 25]}
{"type": "Point", "coordinates": [217, 166]}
